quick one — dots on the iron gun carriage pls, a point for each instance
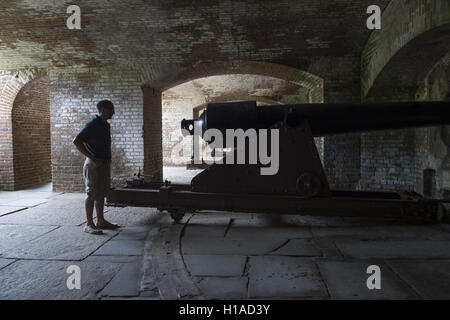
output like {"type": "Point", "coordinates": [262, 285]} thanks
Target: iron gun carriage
{"type": "Point", "coordinates": [299, 185]}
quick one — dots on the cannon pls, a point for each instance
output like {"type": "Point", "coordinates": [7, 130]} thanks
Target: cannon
{"type": "Point", "coordinates": [323, 119]}
{"type": "Point", "coordinates": [299, 185]}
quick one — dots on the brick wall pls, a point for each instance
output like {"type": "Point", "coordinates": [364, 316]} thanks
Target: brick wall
{"type": "Point", "coordinates": [341, 153]}
{"type": "Point", "coordinates": [153, 160]}
{"type": "Point", "coordinates": [342, 160]}
{"type": "Point", "coordinates": [74, 96]}
{"type": "Point", "coordinates": [174, 109]}
{"type": "Point", "coordinates": [31, 135]}
{"type": "Point", "coordinates": [6, 151]}
{"type": "Point", "coordinates": [388, 160]}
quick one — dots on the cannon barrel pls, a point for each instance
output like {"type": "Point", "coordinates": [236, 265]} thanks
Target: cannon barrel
{"type": "Point", "coordinates": [323, 119]}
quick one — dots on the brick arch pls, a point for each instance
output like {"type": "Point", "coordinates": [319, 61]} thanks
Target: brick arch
{"type": "Point", "coordinates": [179, 101]}
{"type": "Point", "coordinates": [403, 79]}
{"type": "Point", "coordinates": [402, 22]}
{"type": "Point", "coordinates": [11, 83]}
{"type": "Point", "coordinates": [153, 154]}
{"type": "Point", "coordinates": [176, 77]}
{"type": "Point", "coordinates": [415, 35]}
{"type": "Point", "coordinates": [403, 76]}
{"type": "Point", "coordinates": [31, 135]}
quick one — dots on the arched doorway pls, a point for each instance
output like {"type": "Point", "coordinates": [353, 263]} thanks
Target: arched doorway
{"type": "Point", "coordinates": [18, 89]}
{"type": "Point", "coordinates": [185, 89]}
{"type": "Point", "coordinates": [31, 135]}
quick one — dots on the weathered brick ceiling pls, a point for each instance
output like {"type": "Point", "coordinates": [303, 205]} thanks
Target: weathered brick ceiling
{"type": "Point", "coordinates": [238, 86]}
{"type": "Point", "coordinates": [34, 33]}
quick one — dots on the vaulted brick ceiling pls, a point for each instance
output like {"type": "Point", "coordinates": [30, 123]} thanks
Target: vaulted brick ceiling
{"type": "Point", "coordinates": [238, 87]}
{"type": "Point", "coordinates": [34, 33]}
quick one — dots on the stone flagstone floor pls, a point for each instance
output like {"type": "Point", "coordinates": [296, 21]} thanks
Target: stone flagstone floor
{"type": "Point", "coordinates": [213, 255]}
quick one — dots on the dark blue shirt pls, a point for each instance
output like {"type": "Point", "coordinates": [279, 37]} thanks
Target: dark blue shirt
{"type": "Point", "coordinates": [96, 136]}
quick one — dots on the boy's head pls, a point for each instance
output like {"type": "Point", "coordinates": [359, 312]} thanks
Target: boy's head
{"type": "Point", "coordinates": [105, 109]}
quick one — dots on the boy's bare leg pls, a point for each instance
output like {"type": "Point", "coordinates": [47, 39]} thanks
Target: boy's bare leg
{"type": "Point", "coordinates": [101, 221]}
{"type": "Point", "coordinates": [89, 206]}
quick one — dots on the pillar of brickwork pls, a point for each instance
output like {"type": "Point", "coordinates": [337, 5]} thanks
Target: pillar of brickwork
{"type": "Point", "coordinates": [152, 131]}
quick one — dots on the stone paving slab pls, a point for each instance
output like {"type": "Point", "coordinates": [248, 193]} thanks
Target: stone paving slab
{"type": "Point", "coordinates": [115, 259]}
{"type": "Point", "coordinates": [121, 248]}
{"type": "Point", "coordinates": [133, 216]}
{"type": "Point", "coordinates": [328, 248]}
{"type": "Point", "coordinates": [64, 243]}
{"type": "Point", "coordinates": [133, 233]}
{"type": "Point", "coordinates": [47, 216]}
{"type": "Point", "coordinates": [444, 227]}
{"type": "Point", "coordinates": [168, 271]}
{"type": "Point", "coordinates": [5, 262]}
{"type": "Point", "coordinates": [5, 201]}
{"type": "Point", "coordinates": [430, 278]}
{"type": "Point", "coordinates": [213, 218]}
{"type": "Point", "coordinates": [215, 265]}
{"type": "Point", "coordinates": [16, 235]}
{"type": "Point", "coordinates": [28, 202]}
{"type": "Point", "coordinates": [313, 221]}
{"type": "Point", "coordinates": [72, 195]}
{"type": "Point", "coordinates": [278, 276]}
{"type": "Point", "coordinates": [9, 196]}
{"type": "Point", "coordinates": [395, 249]}
{"type": "Point", "coordinates": [223, 218]}
{"type": "Point", "coordinates": [194, 230]}
{"type": "Point", "coordinates": [285, 232]}
{"type": "Point", "coordinates": [42, 194]}
{"type": "Point", "coordinates": [66, 200]}
{"type": "Point", "coordinates": [4, 210]}
{"type": "Point", "coordinates": [78, 196]}
{"type": "Point", "coordinates": [47, 280]}
{"type": "Point", "coordinates": [377, 221]}
{"type": "Point", "coordinates": [255, 220]}
{"type": "Point", "coordinates": [125, 283]}
{"type": "Point", "coordinates": [299, 248]}
{"type": "Point", "coordinates": [348, 280]}
{"type": "Point", "coordinates": [384, 232]}
{"type": "Point", "coordinates": [234, 288]}
{"type": "Point", "coordinates": [148, 285]}
{"type": "Point", "coordinates": [64, 203]}
{"type": "Point", "coordinates": [228, 245]}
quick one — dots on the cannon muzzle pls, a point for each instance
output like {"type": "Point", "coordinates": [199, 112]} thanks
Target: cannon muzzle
{"type": "Point", "coordinates": [323, 119]}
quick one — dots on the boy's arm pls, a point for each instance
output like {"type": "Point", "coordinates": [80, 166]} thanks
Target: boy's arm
{"type": "Point", "coordinates": [80, 146]}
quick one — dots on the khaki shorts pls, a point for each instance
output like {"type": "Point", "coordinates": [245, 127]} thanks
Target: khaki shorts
{"type": "Point", "coordinates": [96, 179]}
